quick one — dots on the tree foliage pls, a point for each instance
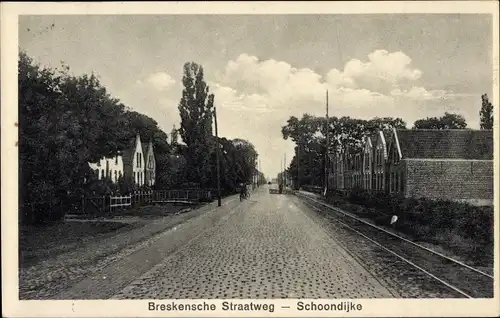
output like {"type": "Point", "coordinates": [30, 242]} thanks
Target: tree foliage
{"type": "Point", "coordinates": [486, 113]}
{"type": "Point", "coordinates": [62, 119]}
{"type": "Point", "coordinates": [67, 121]}
{"type": "Point", "coordinates": [448, 121]}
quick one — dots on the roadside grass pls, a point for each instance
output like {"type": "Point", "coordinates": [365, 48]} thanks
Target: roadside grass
{"type": "Point", "coordinates": [52, 239]}
{"type": "Point", "coordinates": [458, 230]}
{"type": "Point", "coordinates": [38, 242]}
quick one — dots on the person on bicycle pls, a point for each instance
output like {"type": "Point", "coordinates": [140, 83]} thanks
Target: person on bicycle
{"type": "Point", "coordinates": [243, 191]}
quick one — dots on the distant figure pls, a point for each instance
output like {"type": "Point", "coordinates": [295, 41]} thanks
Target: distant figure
{"type": "Point", "coordinates": [243, 191]}
{"type": "Point", "coordinates": [281, 188]}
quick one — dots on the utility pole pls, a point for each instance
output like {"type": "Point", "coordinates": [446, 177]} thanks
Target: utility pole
{"type": "Point", "coordinates": [284, 169]}
{"type": "Point", "coordinates": [327, 144]}
{"type": "Point", "coordinates": [259, 178]}
{"type": "Point", "coordinates": [281, 173]}
{"type": "Point", "coordinates": [254, 171]}
{"type": "Point", "coordinates": [217, 158]}
{"type": "Point", "coordinates": [298, 165]}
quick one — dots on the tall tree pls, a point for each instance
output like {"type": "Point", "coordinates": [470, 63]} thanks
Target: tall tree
{"type": "Point", "coordinates": [486, 113]}
{"type": "Point", "coordinates": [448, 121]}
{"type": "Point", "coordinates": [196, 111]}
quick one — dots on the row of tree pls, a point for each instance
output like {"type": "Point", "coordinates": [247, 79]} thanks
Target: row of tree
{"type": "Point", "coordinates": [308, 133]}
{"type": "Point", "coordinates": [67, 121]}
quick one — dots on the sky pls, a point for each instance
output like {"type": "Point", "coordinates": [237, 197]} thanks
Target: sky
{"type": "Point", "coordinates": [263, 69]}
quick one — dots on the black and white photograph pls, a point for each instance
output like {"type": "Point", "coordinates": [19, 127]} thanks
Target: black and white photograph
{"type": "Point", "coordinates": [221, 162]}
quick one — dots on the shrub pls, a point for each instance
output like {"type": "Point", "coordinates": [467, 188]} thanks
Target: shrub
{"type": "Point", "coordinates": [461, 227]}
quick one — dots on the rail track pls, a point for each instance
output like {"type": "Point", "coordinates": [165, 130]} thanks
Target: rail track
{"type": "Point", "coordinates": [459, 278]}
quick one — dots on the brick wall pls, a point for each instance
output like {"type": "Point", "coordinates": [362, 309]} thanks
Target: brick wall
{"type": "Point", "coordinates": [467, 180]}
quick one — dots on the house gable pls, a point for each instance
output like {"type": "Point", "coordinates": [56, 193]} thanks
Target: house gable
{"type": "Point", "coordinates": [381, 143]}
{"type": "Point", "coordinates": [138, 158]}
{"type": "Point", "coordinates": [394, 150]}
{"type": "Point", "coordinates": [150, 156]}
{"type": "Point", "coordinates": [368, 154]}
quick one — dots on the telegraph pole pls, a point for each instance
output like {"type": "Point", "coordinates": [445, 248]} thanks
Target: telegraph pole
{"type": "Point", "coordinates": [217, 158]}
{"type": "Point", "coordinates": [281, 177]}
{"type": "Point", "coordinates": [298, 165]}
{"type": "Point", "coordinates": [327, 144]}
{"type": "Point", "coordinates": [254, 171]}
{"type": "Point", "coordinates": [284, 169]}
{"type": "Point", "coordinates": [259, 178]}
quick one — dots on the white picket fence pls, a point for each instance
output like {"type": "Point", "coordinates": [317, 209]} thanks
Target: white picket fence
{"type": "Point", "coordinates": [119, 202]}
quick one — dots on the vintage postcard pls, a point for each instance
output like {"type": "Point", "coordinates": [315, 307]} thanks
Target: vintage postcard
{"type": "Point", "coordinates": [250, 159]}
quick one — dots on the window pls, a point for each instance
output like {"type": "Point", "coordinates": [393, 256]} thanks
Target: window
{"type": "Point", "coordinates": [135, 177]}
{"type": "Point", "coordinates": [396, 188]}
{"type": "Point", "coordinates": [102, 174]}
{"type": "Point", "coordinates": [401, 183]}
{"type": "Point", "coordinates": [116, 160]}
{"type": "Point", "coordinates": [391, 182]}
{"type": "Point", "coordinates": [116, 175]}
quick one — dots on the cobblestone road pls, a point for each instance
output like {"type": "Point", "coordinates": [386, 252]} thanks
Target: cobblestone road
{"type": "Point", "coordinates": [266, 247]}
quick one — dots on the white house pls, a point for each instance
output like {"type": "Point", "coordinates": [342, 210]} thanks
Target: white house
{"type": "Point", "coordinates": [130, 164]}
{"type": "Point", "coordinates": [109, 167]}
{"type": "Point", "coordinates": [134, 162]}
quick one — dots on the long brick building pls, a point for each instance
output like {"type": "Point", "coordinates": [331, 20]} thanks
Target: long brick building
{"type": "Point", "coordinates": [438, 164]}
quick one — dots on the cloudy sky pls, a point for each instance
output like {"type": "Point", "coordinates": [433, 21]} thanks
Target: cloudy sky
{"type": "Point", "coordinates": [264, 69]}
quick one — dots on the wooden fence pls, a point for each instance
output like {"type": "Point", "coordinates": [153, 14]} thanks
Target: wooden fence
{"type": "Point", "coordinates": [105, 205]}
{"type": "Point", "coordinates": [183, 196]}
{"type": "Point", "coordinates": [94, 205]}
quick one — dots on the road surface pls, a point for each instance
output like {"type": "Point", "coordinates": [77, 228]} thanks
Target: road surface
{"type": "Point", "coordinates": [264, 247]}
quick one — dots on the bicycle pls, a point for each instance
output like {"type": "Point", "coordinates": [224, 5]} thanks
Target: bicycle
{"type": "Point", "coordinates": [244, 195]}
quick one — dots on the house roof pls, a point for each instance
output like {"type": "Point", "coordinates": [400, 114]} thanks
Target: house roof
{"type": "Point", "coordinates": [387, 135]}
{"type": "Point", "coordinates": [128, 153]}
{"type": "Point", "coordinates": [446, 143]}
